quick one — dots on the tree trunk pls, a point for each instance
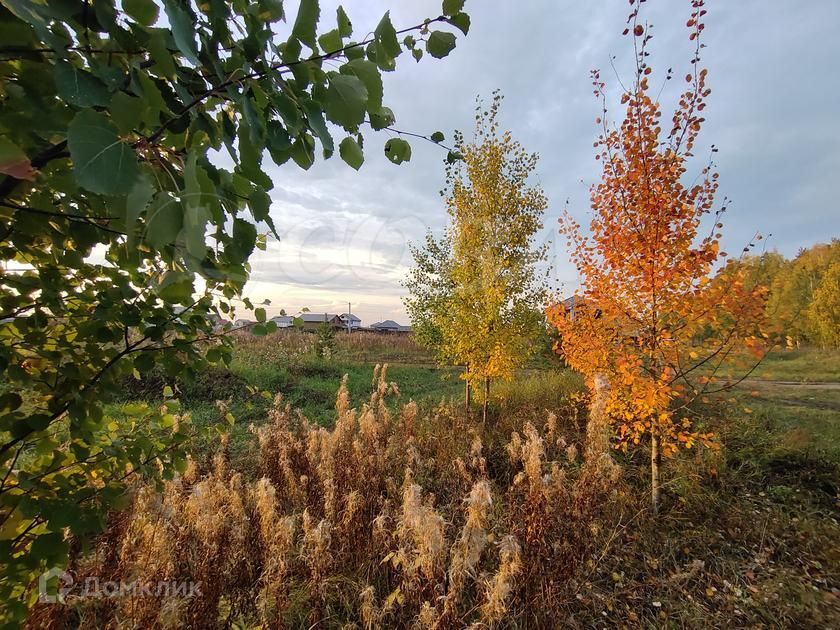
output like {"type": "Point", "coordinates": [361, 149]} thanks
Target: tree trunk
{"type": "Point", "coordinates": [486, 399]}
{"type": "Point", "coordinates": [655, 460]}
{"type": "Point", "coordinates": [598, 425]}
{"type": "Point", "coordinates": [467, 391]}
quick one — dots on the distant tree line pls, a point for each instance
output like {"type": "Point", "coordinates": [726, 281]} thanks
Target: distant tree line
{"type": "Point", "coordinates": [803, 305]}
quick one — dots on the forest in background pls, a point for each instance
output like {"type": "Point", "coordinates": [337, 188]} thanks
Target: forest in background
{"type": "Point", "coordinates": [804, 300]}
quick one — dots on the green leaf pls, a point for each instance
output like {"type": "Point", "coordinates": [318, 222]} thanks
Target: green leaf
{"type": "Point", "coordinates": [417, 53]}
{"type": "Point", "coordinates": [260, 203]}
{"type": "Point", "coordinates": [153, 99]}
{"type": "Point", "coordinates": [183, 30]}
{"type": "Point", "coordinates": [164, 220]}
{"type": "Point", "coordinates": [256, 121]}
{"type": "Point", "coordinates": [101, 162]}
{"type": "Point", "coordinates": [354, 51]}
{"type": "Point", "coordinates": [306, 23]}
{"type": "Point", "coordinates": [250, 157]}
{"type": "Point", "coordinates": [460, 21]}
{"type": "Point", "coordinates": [144, 11]}
{"type": "Point", "coordinates": [127, 112]}
{"type": "Point", "coordinates": [289, 112]}
{"type": "Point", "coordinates": [196, 213]}
{"type": "Point", "coordinates": [244, 238]}
{"type": "Point", "coordinates": [164, 60]}
{"type": "Point", "coordinates": [438, 137]}
{"type": "Point", "coordinates": [176, 287]}
{"type": "Point", "coordinates": [279, 143]}
{"type": "Point", "coordinates": [271, 10]}
{"type": "Point", "coordinates": [331, 41]}
{"type": "Point", "coordinates": [317, 123]}
{"type": "Point", "coordinates": [10, 401]}
{"type": "Point", "coordinates": [135, 204]}
{"type": "Point", "coordinates": [345, 27]}
{"type": "Point", "coordinates": [351, 152]}
{"type": "Point", "coordinates": [440, 44]}
{"type": "Point", "coordinates": [347, 100]}
{"type": "Point", "coordinates": [35, 13]}
{"type": "Point", "coordinates": [302, 74]}
{"type": "Point", "coordinates": [303, 151]}
{"type": "Point", "coordinates": [382, 119]}
{"type": "Point", "coordinates": [398, 150]}
{"type": "Point", "coordinates": [387, 45]}
{"type": "Point", "coordinates": [368, 73]}
{"type": "Point", "coordinates": [453, 156]}
{"type": "Point", "coordinates": [451, 7]}
{"type": "Point", "coordinates": [49, 547]}
{"type": "Point", "coordinates": [79, 87]}
{"type": "Point", "coordinates": [259, 313]}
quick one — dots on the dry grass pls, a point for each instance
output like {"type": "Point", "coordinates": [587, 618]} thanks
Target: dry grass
{"type": "Point", "coordinates": [388, 519]}
{"type": "Point", "coordinates": [290, 346]}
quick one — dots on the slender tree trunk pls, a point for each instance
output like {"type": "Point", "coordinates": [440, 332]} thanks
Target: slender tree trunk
{"type": "Point", "coordinates": [467, 391]}
{"type": "Point", "coordinates": [598, 425]}
{"type": "Point", "coordinates": [486, 399]}
{"type": "Point", "coordinates": [655, 461]}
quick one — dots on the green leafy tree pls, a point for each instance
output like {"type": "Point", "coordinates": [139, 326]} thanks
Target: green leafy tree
{"type": "Point", "coordinates": [430, 288]}
{"type": "Point", "coordinates": [120, 236]}
{"type": "Point", "coordinates": [325, 341]}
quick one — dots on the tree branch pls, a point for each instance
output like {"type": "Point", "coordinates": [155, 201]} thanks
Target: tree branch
{"type": "Point", "coordinates": [154, 137]}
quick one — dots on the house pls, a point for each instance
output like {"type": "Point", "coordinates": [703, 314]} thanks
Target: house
{"type": "Point", "coordinates": [350, 321]}
{"type": "Point", "coordinates": [283, 321]}
{"type": "Point", "coordinates": [312, 321]}
{"type": "Point", "coordinates": [389, 325]}
{"type": "Point", "coordinates": [242, 323]}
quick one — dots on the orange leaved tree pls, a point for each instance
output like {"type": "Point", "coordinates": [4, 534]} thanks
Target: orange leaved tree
{"type": "Point", "coordinates": [652, 323]}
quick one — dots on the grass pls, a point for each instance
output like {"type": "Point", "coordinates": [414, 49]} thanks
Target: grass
{"type": "Point", "coordinates": [285, 364]}
{"type": "Point", "coordinates": [793, 420]}
{"type": "Point", "coordinates": [806, 365]}
{"type": "Point", "coordinates": [748, 535]}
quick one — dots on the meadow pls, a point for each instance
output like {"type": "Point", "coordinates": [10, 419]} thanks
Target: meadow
{"type": "Point", "coordinates": [381, 504]}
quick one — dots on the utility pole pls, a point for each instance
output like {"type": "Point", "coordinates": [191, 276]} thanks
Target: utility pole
{"type": "Point", "coordinates": [349, 319]}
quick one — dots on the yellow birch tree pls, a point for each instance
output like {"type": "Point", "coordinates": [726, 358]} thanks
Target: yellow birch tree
{"type": "Point", "coordinates": [495, 311]}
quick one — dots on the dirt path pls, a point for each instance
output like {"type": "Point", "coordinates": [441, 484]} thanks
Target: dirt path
{"type": "Point", "coordinates": [759, 383]}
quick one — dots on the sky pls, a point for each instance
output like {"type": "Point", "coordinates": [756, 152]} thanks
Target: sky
{"type": "Point", "coordinates": [774, 115]}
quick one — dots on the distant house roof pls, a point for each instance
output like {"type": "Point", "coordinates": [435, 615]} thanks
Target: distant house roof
{"type": "Point", "coordinates": [405, 328]}
{"type": "Point", "coordinates": [350, 316]}
{"type": "Point", "coordinates": [282, 319]}
{"type": "Point", "coordinates": [388, 324]}
{"type": "Point", "coordinates": [317, 317]}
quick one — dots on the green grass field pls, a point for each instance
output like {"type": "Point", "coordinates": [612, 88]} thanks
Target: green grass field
{"type": "Point", "coordinates": [806, 365]}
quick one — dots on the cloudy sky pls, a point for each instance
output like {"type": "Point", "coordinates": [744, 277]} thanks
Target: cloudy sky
{"type": "Point", "coordinates": [774, 114]}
